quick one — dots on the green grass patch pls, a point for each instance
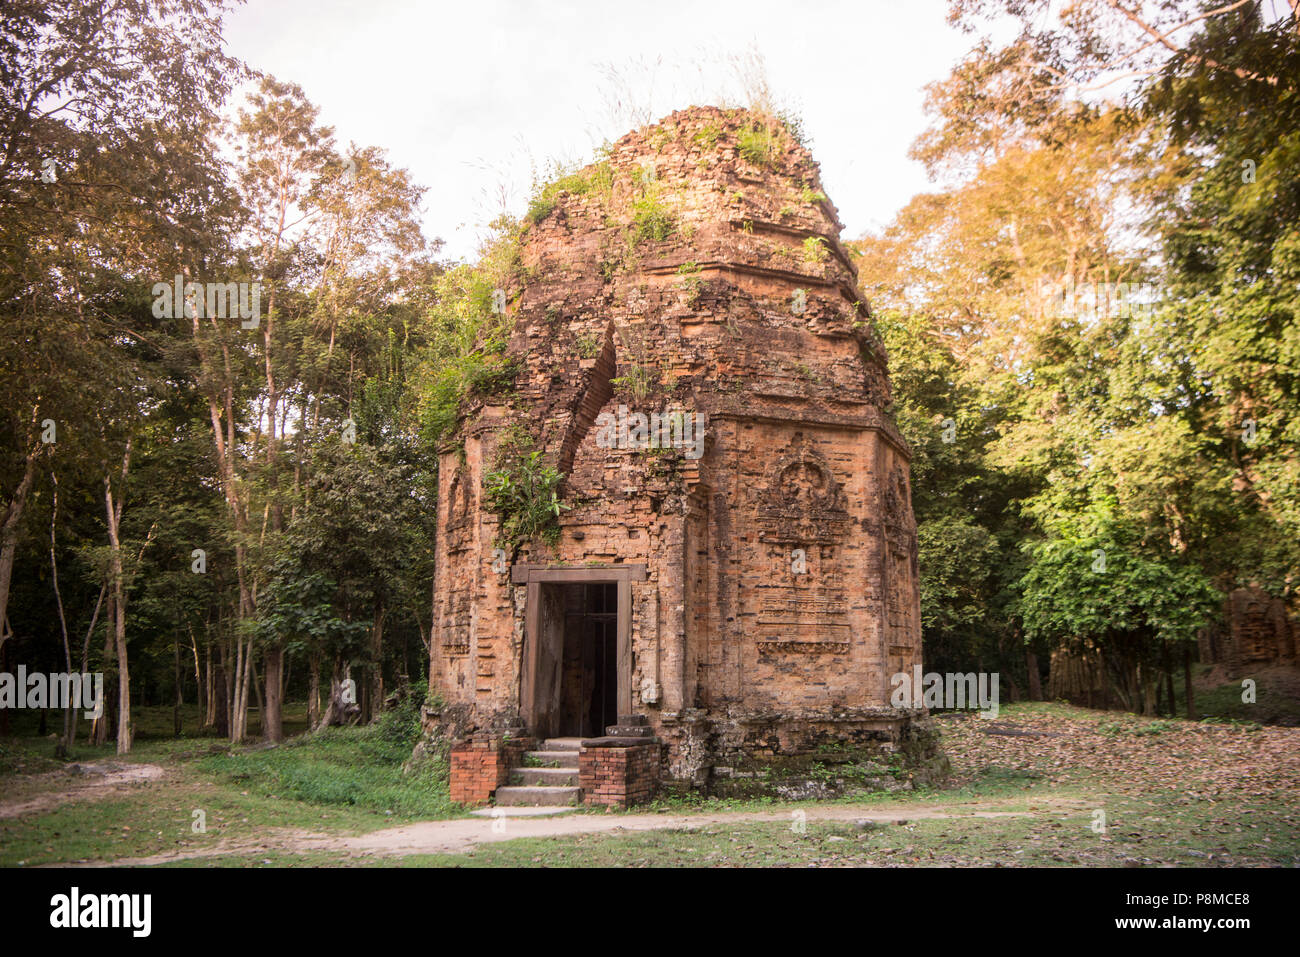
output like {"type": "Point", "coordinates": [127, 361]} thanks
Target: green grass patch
{"type": "Point", "coordinates": [546, 198]}
{"type": "Point", "coordinates": [353, 767]}
{"type": "Point", "coordinates": [757, 144]}
{"type": "Point", "coordinates": [651, 219]}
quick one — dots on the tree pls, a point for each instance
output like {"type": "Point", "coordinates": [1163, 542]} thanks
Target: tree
{"type": "Point", "coordinates": [89, 90]}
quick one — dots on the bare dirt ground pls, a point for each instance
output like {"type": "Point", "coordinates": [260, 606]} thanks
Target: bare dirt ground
{"type": "Point", "coordinates": [80, 782]}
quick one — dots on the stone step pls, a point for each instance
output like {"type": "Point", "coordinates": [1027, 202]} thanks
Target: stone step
{"type": "Point", "coordinates": [524, 796]}
{"type": "Point", "coordinates": [554, 759]}
{"type": "Point", "coordinates": [552, 777]}
{"type": "Point", "coordinates": [562, 744]}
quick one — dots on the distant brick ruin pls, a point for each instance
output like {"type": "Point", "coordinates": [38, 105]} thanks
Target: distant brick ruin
{"type": "Point", "coordinates": [1259, 632]}
{"type": "Point", "coordinates": [730, 611]}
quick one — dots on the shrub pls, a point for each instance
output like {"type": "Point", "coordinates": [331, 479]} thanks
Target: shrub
{"type": "Point", "coordinates": [650, 220]}
{"type": "Point", "coordinates": [757, 144]}
{"type": "Point", "coordinates": [524, 492]}
{"type": "Point", "coordinates": [545, 198]}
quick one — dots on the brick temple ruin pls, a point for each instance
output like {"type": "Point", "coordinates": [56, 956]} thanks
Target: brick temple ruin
{"type": "Point", "coordinates": [1259, 631]}
{"type": "Point", "coordinates": [716, 607]}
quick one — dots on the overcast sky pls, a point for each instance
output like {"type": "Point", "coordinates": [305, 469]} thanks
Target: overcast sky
{"type": "Point", "coordinates": [469, 96]}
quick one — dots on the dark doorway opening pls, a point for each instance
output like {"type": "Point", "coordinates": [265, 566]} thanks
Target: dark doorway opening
{"type": "Point", "coordinates": [589, 673]}
{"type": "Point", "coordinates": [576, 673]}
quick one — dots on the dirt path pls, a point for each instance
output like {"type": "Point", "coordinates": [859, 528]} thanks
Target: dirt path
{"type": "Point", "coordinates": [80, 782]}
{"type": "Point", "coordinates": [464, 834]}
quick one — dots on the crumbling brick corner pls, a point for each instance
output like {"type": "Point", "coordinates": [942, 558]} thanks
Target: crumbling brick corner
{"type": "Point", "coordinates": [481, 763]}
{"type": "Point", "coordinates": [618, 772]}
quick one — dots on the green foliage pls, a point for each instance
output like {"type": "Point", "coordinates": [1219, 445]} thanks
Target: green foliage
{"type": "Point", "coordinates": [401, 725]}
{"type": "Point", "coordinates": [524, 492]}
{"type": "Point", "coordinates": [356, 767]}
{"type": "Point", "coordinates": [707, 136]}
{"type": "Point", "coordinates": [545, 197]}
{"type": "Point", "coordinates": [1093, 576]}
{"type": "Point", "coordinates": [793, 124]}
{"type": "Point", "coordinates": [651, 219]}
{"type": "Point", "coordinates": [691, 281]}
{"type": "Point", "coordinates": [637, 381]}
{"type": "Point", "coordinates": [814, 250]}
{"type": "Point", "coordinates": [359, 546]}
{"type": "Point", "coordinates": [469, 333]}
{"type": "Point", "coordinates": [757, 143]}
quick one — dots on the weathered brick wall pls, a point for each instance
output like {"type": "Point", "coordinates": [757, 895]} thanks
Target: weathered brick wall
{"type": "Point", "coordinates": [480, 764]}
{"type": "Point", "coordinates": [1258, 629]}
{"type": "Point", "coordinates": [747, 312]}
{"type": "Point", "coordinates": [618, 775]}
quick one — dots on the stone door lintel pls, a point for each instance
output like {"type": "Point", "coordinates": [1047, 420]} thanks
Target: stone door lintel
{"type": "Point", "coordinates": [526, 574]}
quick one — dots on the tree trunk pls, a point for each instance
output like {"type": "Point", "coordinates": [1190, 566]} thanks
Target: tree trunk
{"type": "Point", "coordinates": [101, 728]}
{"type": "Point", "coordinates": [1169, 684]}
{"type": "Point", "coordinates": [376, 702]}
{"type": "Point", "coordinates": [313, 691]}
{"type": "Point", "coordinates": [200, 688]}
{"type": "Point", "coordinates": [239, 705]}
{"type": "Point", "coordinates": [220, 701]}
{"type": "Point", "coordinates": [272, 719]}
{"type": "Point", "coordinates": [1035, 682]}
{"type": "Point", "coordinates": [124, 729]}
{"type": "Point", "coordinates": [4, 667]}
{"type": "Point", "coordinates": [1148, 679]}
{"type": "Point", "coordinates": [85, 652]}
{"type": "Point", "coordinates": [1187, 681]}
{"type": "Point", "coordinates": [70, 706]}
{"type": "Point", "coordinates": [339, 712]}
{"type": "Point", "coordinates": [9, 527]}
{"type": "Point", "coordinates": [209, 679]}
{"type": "Point", "coordinates": [176, 708]}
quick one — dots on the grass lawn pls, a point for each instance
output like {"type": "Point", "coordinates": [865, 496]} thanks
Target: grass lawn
{"type": "Point", "coordinates": [340, 780]}
{"type": "Point", "coordinates": [1075, 788]}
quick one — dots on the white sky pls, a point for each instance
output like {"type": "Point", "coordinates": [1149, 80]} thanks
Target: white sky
{"type": "Point", "coordinates": [469, 96]}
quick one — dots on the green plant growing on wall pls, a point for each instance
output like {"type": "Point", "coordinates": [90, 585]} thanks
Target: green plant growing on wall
{"type": "Point", "coordinates": [814, 250]}
{"type": "Point", "coordinates": [637, 381]}
{"type": "Point", "coordinates": [545, 197]}
{"type": "Point", "coordinates": [589, 345]}
{"type": "Point", "coordinates": [524, 492]}
{"type": "Point", "coordinates": [602, 180]}
{"type": "Point", "coordinates": [468, 332]}
{"type": "Point", "coordinates": [794, 126]}
{"type": "Point", "coordinates": [650, 219]}
{"type": "Point", "coordinates": [707, 136]}
{"type": "Point", "coordinates": [757, 144]}
{"type": "Point", "coordinates": [692, 283]}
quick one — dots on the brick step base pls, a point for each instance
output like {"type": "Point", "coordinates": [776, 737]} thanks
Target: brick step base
{"type": "Point", "coordinates": [525, 796]}
{"type": "Point", "coordinates": [553, 759]}
{"type": "Point", "coordinates": [553, 777]}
